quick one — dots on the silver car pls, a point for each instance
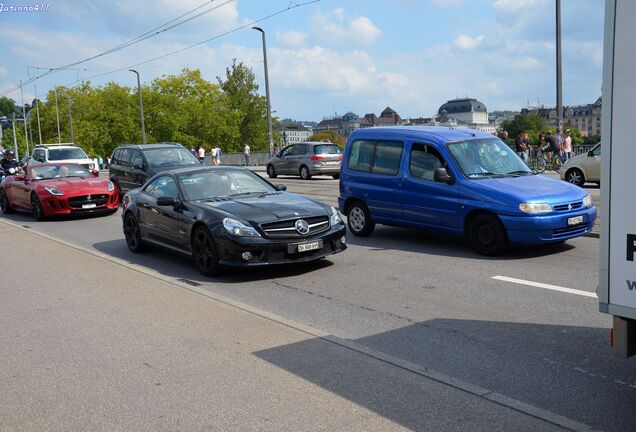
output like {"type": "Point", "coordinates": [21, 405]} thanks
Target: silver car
{"type": "Point", "coordinates": [583, 168]}
{"type": "Point", "coordinates": [305, 160]}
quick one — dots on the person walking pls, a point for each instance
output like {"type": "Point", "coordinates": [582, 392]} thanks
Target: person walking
{"type": "Point", "coordinates": [522, 145]}
{"type": "Point", "coordinates": [218, 155]}
{"type": "Point", "coordinates": [213, 156]}
{"type": "Point", "coordinates": [246, 153]}
{"type": "Point", "coordinates": [201, 153]}
{"type": "Point", "coordinates": [567, 145]}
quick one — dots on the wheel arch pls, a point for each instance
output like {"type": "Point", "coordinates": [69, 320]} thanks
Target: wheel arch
{"type": "Point", "coordinates": [476, 212]}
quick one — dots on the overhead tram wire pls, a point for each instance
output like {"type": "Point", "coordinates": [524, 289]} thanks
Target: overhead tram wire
{"type": "Point", "coordinates": [151, 33]}
{"type": "Point", "coordinates": [234, 30]}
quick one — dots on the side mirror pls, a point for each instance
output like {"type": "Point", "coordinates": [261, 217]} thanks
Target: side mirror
{"type": "Point", "coordinates": [166, 201]}
{"type": "Point", "coordinates": [281, 187]}
{"type": "Point", "coordinates": [590, 153]}
{"type": "Point", "coordinates": [441, 175]}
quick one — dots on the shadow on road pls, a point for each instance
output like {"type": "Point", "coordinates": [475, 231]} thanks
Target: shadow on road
{"type": "Point", "coordinates": [529, 362]}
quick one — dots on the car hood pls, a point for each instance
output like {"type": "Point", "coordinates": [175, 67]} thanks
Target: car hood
{"type": "Point", "coordinates": [576, 160]}
{"type": "Point", "coordinates": [72, 183]}
{"type": "Point", "coordinates": [532, 188]}
{"type": "Point", "coordinates": [268, 208]}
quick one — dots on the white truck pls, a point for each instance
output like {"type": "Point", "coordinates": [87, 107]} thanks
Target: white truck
{"type": "Point", "coordinates": [617, 288]}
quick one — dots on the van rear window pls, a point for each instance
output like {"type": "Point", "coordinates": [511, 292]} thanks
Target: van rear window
{"type": "Point", "coordinates": [361, 155]}
{"type": "Point", "coordinates": [378, 157]}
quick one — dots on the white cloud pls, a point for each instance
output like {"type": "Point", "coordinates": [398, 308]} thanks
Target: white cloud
{"type": "Point", "coordinates": [292, 39]}
{"type": "Point", "coordinates": [335, 27]}
{"type": "Point", "coordinates": [467, 43]}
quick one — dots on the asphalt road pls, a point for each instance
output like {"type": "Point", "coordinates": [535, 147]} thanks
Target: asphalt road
{"type": "Point", "coordinates": [433, 302]}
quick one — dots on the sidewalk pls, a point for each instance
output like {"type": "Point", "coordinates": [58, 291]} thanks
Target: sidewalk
{"type": "Point", "coordinates": [91, 344]}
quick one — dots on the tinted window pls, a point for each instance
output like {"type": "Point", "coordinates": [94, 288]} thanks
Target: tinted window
{"type": "Point", "coordinates": [170, 156]}
{"type": "Point", "coordinates": [387, 157]}
{"type": "Point", "coordinates": [300, 149]}
{"type": "Point", "coordinates": [287, 151]}
{"type": "Point", "coordinates": [115, 158]}
{"type": "Point", "coordinates": [67, 153]}
{"type": "Point", "coordinates": [136, 159]}
{"type": "Point", "coordinates": [597, 151]}
{"type": "Point", "coordinates": [163, 186]}
{"type": "Point", "coordinates": [124, 157]}
{"type": "Point", "coordinates": [326, 149]}
{"type": "Point", "coordinates": [361, 155]}
{"type": "Point", "coordinates": [220, 183]}
{"type": "Point", "coordinates": [424, 161]}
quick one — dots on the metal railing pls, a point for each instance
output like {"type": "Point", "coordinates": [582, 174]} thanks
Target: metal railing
{"type": "Point", "coordinates": [238, 159]}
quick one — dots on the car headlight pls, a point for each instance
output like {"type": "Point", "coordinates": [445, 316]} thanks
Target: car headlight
{"type": "Point", "coordinates": [53, 190]}
{"type": "Point", "coordinates": [334, 217]}
{"type": "Point", "coordinates": [239, 229]}
{"type": "Point", "coordinates": [111, 186]}
{"type": "Point", "coordinates": [587, 201]}
{"type": "Point", "coordinates": [535, 208]}
{"type": "Point", "coordinates": [91, 166]}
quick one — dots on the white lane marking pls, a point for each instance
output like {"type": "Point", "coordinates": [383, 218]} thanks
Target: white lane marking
{"type": "Point", "coordinates": [545, 286]}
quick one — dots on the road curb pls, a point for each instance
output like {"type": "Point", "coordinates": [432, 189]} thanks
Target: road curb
{"type": "Point", "coordinates": [593, 235]}
{"type": "Point", "coordinates": [483, 393]}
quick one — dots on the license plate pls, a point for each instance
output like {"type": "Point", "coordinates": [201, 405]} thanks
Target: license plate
{"type": "Point", "coordinates": [575, 220]}
{"type": "Point", "coordinates": [309, 246]}
{"type": "Point", "coordinates": [88, 206]}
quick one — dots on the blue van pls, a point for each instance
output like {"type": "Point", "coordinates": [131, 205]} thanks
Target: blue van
{"type": "Point", "coordinates": [456, 181]}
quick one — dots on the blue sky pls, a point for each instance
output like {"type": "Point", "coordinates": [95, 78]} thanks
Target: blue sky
{"type": "Point", "coordinates": [326, 57]}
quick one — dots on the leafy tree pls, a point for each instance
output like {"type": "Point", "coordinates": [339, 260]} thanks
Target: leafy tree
{"type": "Point", "coordinates": [7, 106]}
{"type": "Point", "coordinates": [531, 123]}
{"type": "Point", "coordinates": [328, 136]}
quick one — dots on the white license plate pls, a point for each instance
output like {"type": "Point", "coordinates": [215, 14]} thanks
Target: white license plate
{"type": "Point", "coordinates": [87, 206]}
{"type": "Point", "coordinates": [575, 220]}
{"type": "Point", "coordinates": [308, 246]}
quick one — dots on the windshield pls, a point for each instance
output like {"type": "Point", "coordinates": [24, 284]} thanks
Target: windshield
{"type": "Point", "coordinates": [488, 157]}
{"type": "Point", "coordinates": [170, 156]}
{"type": "Point", "coordinates": [43, 172]}
{"type": "Point", "coordinates": [66, 153]}
{"type": "Point", "coordinates": [214, 184]}
{"type": "Point", "coordinates": [326, 149]}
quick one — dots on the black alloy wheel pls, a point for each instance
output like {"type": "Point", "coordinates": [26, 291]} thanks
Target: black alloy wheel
{"type": "Point", "coordinates": [487, 236]}
{"type": "Point", "coordinates": [4, 202]}
{"type": "Point", "coordinates": [36, 208]}
{"type": "Point", "coordinates": [132, 234]}
{"type": "Point", "coordinates": [271, 172]}
{"type": "Point", "coordinates": [204, 251]}
{"type": "Point", "coordinates": [304, 173]}
{"type": "Point", "coordinates": [359, 220]}
{"type": "Point", "coordinates": [575, 176]}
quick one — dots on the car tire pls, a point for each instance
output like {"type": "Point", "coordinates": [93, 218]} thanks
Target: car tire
{"type": "Point", "coordinates": [575, 176]}
{"type": "Point", "coordinates": [304, 173]}
{"type": "Point", "coordinates": [36, 208]}
{"type": "Point", "coordinates": [204, 252]}
{"type": "Point", "coordinates": [133, 234]}
{"type": "Point", "coordinates": [359, 220]}
{"type": "Point", "coordinates": [4, 203]}
{"type": "Point", "coordinates": [487, 235]}
{"type": "Point", "coordinates": [271, 172]}
{"type": "Point", "coordinates": [336, 176]}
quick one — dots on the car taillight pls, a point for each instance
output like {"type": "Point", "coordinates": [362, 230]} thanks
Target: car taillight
{"type": "Point", "coordinates": [340, 157]}
{"type": "Point", "coordinates": [316, 158]}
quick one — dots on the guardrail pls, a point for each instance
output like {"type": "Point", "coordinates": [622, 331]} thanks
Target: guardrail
{"type": "Point", "coordinates": [238, 159]}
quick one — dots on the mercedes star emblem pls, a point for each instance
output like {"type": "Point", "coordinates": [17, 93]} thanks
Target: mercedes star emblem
{"type": "Point", "coordinates": [302, 226]}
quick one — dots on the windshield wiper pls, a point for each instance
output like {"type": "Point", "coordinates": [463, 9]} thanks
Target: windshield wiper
{"type": "Point", "coordinates": [482, 174]}
{"type": "Point", "coordinates": [519, 172]}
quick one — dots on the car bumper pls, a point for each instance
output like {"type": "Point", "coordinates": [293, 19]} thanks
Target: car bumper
{"type": "Point", "coordinates": [61, 206]}
{"type": "Point", "coordinates": [324, 169]}
{"type": "Point", "coordinates": [548, 228]}
{"type": "Point", "coordinates": [268, 252]}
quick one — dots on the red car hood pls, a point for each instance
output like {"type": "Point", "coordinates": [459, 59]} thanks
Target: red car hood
{"type": "Point", "coordinates": [75, 184]}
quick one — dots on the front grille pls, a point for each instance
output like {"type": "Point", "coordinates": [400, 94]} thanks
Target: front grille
{"type": "Point", "coordinates": [79, 201]}
{"type": "Point", "coordinates": [286, 229]}
{"type": "Point", "coordinates": [568, 206]}
{"type": "Point", "coordinates": [566, 232]}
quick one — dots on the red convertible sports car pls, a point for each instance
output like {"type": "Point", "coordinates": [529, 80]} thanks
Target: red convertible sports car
{"type": "Point", "coordinates": [58, 190]}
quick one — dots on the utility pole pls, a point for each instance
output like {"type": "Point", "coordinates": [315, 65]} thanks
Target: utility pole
{"type": "Point", "coordinates": [37, 110]}
{"type": "Point", "coordinates": [15, 141]}
{"type": "Point", "coordinates": [141, 107]}
{"type": "Point", "coordinates": [70, 118]}
{"type": "Point", "coordinates": [559, 83]}
{"type": "Point", "coordinates": [57, 114]}
{"type": "Point", "coordinates": [26, 135]}
{"type": "Point", "coordinates": [269, 103]}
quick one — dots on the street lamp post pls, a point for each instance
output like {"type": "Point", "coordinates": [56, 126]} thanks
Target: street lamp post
{"type": "Point", "coordinates": [141, 107]}
{"type": "Point", "coordinates": [57, 115]}
{"type": "Point", "coordinates": [37, 111]}
{"type": "Point", "coordinates": [70, 118]}
{"type": "Point", "coordinates": [269, 104]}
{"type": "Point", "coordinates": [559, 83]}
{"type": "Point", "coordinates": [26, 135]}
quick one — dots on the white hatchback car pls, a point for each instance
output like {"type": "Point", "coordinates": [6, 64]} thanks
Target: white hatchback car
{"type": "Point", "coordinates": [583, 168]}
{"type": "Point", "coordinates": [58, 153]}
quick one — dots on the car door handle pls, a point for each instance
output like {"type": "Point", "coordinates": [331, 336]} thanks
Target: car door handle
{"type": "Point", "coordinates": [144, 205]}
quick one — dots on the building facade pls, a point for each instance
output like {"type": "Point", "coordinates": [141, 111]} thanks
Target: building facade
{"type": "Point", "coordinates": [465, 113]}
{"type": "Point", "coordinates": [586, 118]}
{"type": "Point", "coordinates": [293, 133]}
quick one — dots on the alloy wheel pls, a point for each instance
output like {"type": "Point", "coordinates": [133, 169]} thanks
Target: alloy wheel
{"type": "Point", "coordinates": [132, 234]}
{"type": "Point", "coordinates": [36, 208]}
{"type": "Point", "coordinates": [204, 252]}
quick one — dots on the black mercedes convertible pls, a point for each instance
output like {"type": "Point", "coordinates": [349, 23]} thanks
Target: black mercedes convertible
{"type": "Point", "coordinates": [226, 216]}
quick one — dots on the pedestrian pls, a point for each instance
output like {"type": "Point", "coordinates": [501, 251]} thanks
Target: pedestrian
{"type": "Point", "coordinates": [201, 153]}
{"type": "Point", "coordinates": [218, 155]}
{"type": "Point", "coordinates": [246, 153]}
{"type": "Point", "coordinates": [193, 151]}
{"type": "Point", "coordinates": [567, 145]}
{"type": "Point", "coordinates": [522, 145]}
{"type": "Point", "coordinates": [100, 161]}
{"type": "Point", "coordinates": [108, 161]}
{"type": "Point", "coordinates": [559, 138]}
{"type": "Point", "coordinates": [213, 156]}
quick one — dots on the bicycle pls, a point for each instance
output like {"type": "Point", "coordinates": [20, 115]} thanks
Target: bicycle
{"type": "Point", "coordinates": [541, 162]}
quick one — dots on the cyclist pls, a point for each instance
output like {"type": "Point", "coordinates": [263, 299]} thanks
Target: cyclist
{"type": "Point", "coordinates": [552, 145]}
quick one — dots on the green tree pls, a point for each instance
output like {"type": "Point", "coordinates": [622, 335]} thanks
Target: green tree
{"type": "Point", "coordinates": [531, 123]}
{"type": "Point", "coordinates": [329, 136]}
{"type": "Point", "coordinates": [249, 107]}
{"type": "Point", "coordinates": [7, 106]}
